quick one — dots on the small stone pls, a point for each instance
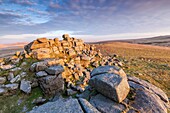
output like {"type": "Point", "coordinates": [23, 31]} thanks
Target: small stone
{"type": "Point", "coordinates": [2, 91]}
{"type": "Point", "coordinates": [41, 74]}
{"type": "Point", "coordinates": [15, 69]}
{"type": "Point", "coordinates": [25, 86]}
{"type": "Point", "coordinates": [71, 92]}
{"type": "Point", "coordinates": [6, 67]}
{"type": "Point", "coordinates": [23, 64]}
{"type": "Point", "coordinates": [33, 66]}
{"type": "Point", "coordinates": [39, 101]}
{"type": "Point", "coordinates": [55, 70]}
{"type": "Point", "coordinates": [38, 66]}
{"type": "Point", "coordinates": [11, 86]}
{"type": "Point", "coordinates": [16, 79]}
{"type": "Point", "coordinates": [2, 80]}
{"type": "Point", "coordinates": [10, 76]}
{"type": "Point", "coordinates": [34, 83]}
{"type": "Point", "coordinates": [23, 74]}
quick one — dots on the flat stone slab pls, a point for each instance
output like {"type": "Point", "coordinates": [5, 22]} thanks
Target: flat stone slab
{"type": "Point", "coordinates": [87, 107]}
{"type": "Point", "coordinates": [55, 70]}
{"type": "Point", "coordinates": [41, 74]}
{"type": "Point", "coordinates": [105, 105]}
{"type": "Point", "coordinates": [104, 69]}
{"type": "Point", "coordinates": [59, 106]}
{"type": "Point", "coordinates": [12, 86]}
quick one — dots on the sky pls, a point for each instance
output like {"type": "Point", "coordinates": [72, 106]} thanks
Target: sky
{"type": "Point", "coordinates": [91, 20]}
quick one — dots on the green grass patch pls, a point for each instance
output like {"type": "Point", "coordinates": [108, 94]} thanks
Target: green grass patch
{"type": "Point", "coordinates": [10, 104]}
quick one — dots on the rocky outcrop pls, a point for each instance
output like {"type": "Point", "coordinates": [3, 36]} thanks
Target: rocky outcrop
{"type": "Point", "coordinates": [66, 67]}
{"type": "Point", "coordinates": [147, 97]}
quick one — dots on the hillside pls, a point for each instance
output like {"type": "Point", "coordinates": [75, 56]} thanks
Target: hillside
{"type": "Point", "coordinates": [157, 41]}
{"type": "Point", "coordinates": [63, 76]}
{"type": "Point", "coordinates": [151, 63]}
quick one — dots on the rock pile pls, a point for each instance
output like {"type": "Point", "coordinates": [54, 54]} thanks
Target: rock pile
{"type": "Point", "coordinates": [77, 58]}
{"type": "Point", "coordinates": [114, 93]}
{"type": "Point", "coordinates": [68, 47]}
{"type": "Point", "coordinates": [73, 54]}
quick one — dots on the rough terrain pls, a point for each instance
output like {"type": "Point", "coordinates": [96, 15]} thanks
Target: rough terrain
{"type": "Point", "coordinates": [71, 76]}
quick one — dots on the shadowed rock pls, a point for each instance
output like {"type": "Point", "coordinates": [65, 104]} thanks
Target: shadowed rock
{"type": "Point", "coordinates": [105, 105]}
{"type": "Point", "coordinates": [148, 98]}
{"type": "Point", "coordinates": [55, 70]}
{"type": "Point", "coordinates": [87, 107]}
{"type": "Point", "coordinates": [60, 106]}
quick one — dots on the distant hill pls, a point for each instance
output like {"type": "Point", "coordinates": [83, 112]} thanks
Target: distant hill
{"type": "Point", "coordinates": [158, 41]}
{"type": "Point", "coordinates": [13, 45]}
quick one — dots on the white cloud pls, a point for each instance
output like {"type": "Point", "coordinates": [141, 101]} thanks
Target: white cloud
{"type": "Point", "coordinates": [86, 38]}
{"type": "Point", "coordinates": [30, 37]}
{"type": "Point", "coordinates": [94, 38]}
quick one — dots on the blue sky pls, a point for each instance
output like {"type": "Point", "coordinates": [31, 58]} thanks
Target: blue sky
{"type": "Point", "coordinates": [91, 20]}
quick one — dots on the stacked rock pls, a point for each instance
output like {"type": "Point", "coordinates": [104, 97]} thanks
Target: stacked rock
{"type": "Point", "coordinates": [52, 82]}
{"type": "Point", "coordinates": [53, 48]}
{"type": "Point", "coordinates": [73, 54]}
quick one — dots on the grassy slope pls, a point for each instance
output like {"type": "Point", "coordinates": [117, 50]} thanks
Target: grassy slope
{"type": "Point", "coordinates": [150, 63]}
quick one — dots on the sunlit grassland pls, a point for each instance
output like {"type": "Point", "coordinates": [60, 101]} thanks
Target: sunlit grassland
{"type": "Point", "coordinates": [150, 63]}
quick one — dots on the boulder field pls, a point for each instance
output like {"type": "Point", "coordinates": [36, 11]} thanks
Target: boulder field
{"type": "Point", "coordinates": [75, 78]}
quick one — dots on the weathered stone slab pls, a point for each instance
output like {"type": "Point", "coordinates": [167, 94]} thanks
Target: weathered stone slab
{"type": "Point", "coordinates": [108, 69]}
{"type": "Point", "coordinates": [60, 106]}
{"type": "Point", "coordinates": [147, 97]}
{"type": "Point", "coordinates": [12, 86]}
{"type": "Point", "coordinates": [41, 74]}
{"type": "Point", "coordinates": [105, 105]}
{"type": "Point", "coordinates": [55, 70]}
{"type": "Point", "coordinates": [87, 107]}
